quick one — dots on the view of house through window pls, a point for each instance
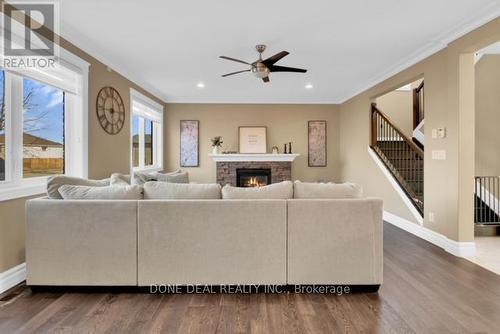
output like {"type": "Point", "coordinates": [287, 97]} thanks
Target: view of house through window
{"type": "Point", "coordinates": [43, 129]}
{"type": "Point", "coordinates": [2, 126]}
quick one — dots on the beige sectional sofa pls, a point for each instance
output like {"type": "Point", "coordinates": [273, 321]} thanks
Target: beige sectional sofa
{"type": "Point", "coordinates": [144, 242]}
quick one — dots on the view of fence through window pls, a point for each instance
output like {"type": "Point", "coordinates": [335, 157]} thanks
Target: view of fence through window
{"type": "Point", "coordinates": [43, 129]}
{"type": "Point", "coordinates": [2, 126]}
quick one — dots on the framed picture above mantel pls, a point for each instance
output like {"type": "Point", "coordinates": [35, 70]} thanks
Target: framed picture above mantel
{"type": "Point", "coordinates": [316, 143]}
{"type": "Point", "coordinates": [252, 139]}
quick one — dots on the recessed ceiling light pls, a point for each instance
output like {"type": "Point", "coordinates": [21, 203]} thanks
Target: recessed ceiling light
{"type": "Point", "coordinates": [200, 85]}
{"type": "Point", "coordinates": [308, 86]}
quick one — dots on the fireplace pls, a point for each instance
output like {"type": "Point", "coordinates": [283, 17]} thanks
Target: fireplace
{"type": "Point", "coordinates": [253, 177]}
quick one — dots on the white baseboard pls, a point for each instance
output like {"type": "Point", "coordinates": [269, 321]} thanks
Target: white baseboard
{"type": "Point", "coordinates": [12, 277]}
{"type": "Point", "coordinates": [460, 249]}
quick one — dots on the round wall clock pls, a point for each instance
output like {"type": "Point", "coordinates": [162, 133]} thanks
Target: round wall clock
{"type": "Point", "coordinates": [110, 110]}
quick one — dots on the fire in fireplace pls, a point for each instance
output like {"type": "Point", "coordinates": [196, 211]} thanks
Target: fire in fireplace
{"type": "Point", "coordinates": [252, 177]}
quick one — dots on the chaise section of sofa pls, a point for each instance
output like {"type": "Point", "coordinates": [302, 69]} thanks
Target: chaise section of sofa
{"type": "Point", "coordinates": [81, 242]}
{"type": "Point", "coordinates": [335, 241]}
{"type": "Point", "coordinates": [212, 242]}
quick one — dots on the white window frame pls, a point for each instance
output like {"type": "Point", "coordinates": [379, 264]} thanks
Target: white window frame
{"type": "Point", "coordinates": [75, 131]}
{"type": "Point", "coordinates": [150, 110]}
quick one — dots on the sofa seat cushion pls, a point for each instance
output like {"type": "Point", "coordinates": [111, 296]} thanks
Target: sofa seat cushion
{"type": "Point", "coordinates": [281, 190]}
{"type": "Point", "coordinates": [326, 190]}
{"type": "Point", "coordinates": [167, 190]}
{"type": "Point", "coordinates": [101, 193]}
{"type": "Point", "coordinates": [55, 182]}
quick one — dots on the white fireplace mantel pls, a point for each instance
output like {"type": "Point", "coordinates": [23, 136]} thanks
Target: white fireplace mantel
{"type": "Point", "coordinates": [239, 157]}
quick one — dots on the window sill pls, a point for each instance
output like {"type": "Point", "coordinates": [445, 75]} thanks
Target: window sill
{"type": "Point", "coordinates": [25, 189]}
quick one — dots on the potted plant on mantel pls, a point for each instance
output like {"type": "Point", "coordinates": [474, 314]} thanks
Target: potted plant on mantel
{"type": "Point", "coordinates": [216, 144]}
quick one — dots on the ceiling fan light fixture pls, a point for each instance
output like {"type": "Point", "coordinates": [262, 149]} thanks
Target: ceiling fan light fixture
{"type": "Point", "coordinates": [200, 85]}
{"type": "Point", "coordinates": [261, 68]}
{"type": "Point", "coordinates": [309, 86]}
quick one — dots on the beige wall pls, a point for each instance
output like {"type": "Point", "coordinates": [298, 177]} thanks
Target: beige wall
{"type": "Point", "coordinates": [398, 105]}
{"type": "Point", "coordinates": [449, 102]}
{"type": "Point", "coordinates": [487, 78]}
{"type": "Point", "coordinates": [107, 154]}
{"type": "Point", "coordinates": [284, 123]}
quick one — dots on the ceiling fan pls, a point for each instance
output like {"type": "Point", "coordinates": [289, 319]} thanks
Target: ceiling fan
{"type": "Point", "coordinates": [261, 68]}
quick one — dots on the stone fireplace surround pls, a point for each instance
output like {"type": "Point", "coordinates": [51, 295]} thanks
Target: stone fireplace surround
{"type": "Point", "coordinates": [279, 164]}
{"type": "Point", "coordinates": [226, 171]}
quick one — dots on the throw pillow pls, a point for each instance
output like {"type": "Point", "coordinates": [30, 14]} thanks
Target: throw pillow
{"type": "Point", "coordinates": [101, 193]}
{"type": "Point", "coordinates": [281, 190]}
{"type": "Point", "coordinates": [55, 182]}
{"type": "Point", "coordinates": [326, 190]}
{"type": "Point", "coordinates": [182, 177]}
{"type": "Point", "coordinates": [167, 190]}
{"type": "Point", "coordinates": [118, 179]}
{"type": "Point", "coordinates": [142, 177]}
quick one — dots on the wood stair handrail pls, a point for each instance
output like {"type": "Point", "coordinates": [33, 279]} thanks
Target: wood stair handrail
{"type": "Point", "coordinates": [414, 146]}
{"type": "Point", "coordinates": [419, 88]}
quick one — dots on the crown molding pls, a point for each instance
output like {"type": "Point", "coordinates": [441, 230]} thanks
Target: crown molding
{"type": "Point", "coordinates": [301, 102]}
{"type": "Point", "coordinates": [460, 29]}
{"type": "Point", "coordinates": [88, 47]}
{"type": "Point", "coordinates": [463, 27]}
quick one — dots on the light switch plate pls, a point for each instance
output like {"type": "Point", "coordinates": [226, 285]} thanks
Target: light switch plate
{"type": "Point", "coordinates": [441, 133]}
{"type": "Point", "coordinates": [438, 155]}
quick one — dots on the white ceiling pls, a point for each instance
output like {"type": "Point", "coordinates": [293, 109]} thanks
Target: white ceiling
{"type": "Point", "coordinates": [347, 46]}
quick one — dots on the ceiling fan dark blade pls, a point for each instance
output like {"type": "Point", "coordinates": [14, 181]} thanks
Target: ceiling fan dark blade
{"type": "Point", "coordinates": [234, 59]}
{"type": "Point", "coordinates": [274, 68]}
{"type": "Point", "coordinates": [273, 59]}
{"type": "Point", "coordinates": [232, 73]}
{"type": "Point", "coordinates": [265, 79]}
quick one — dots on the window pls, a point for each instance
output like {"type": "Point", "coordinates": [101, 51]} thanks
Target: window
{"type": "Point", "coordinates": [43, 129]}
{"type": "Point", "coordinates": [43, 125]}
{"type": "Point", "coordinates": [135, 141]}
{"type": "Point", "coordinates": [2, 126]}
{"type": "Point", "coordinates": [147, 133]}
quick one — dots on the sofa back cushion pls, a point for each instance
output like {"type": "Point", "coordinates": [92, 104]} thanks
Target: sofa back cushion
{"type": "Point", "coordinates": [167, 190]}
{"type": "Point", "coordinates": [281, 190]}
{"type": "Point", "coordinates": [326, 190]}
{"type": "Point", "coordinates": [101, 193]}
{"type": "Point", "coordinates": [55, 182]}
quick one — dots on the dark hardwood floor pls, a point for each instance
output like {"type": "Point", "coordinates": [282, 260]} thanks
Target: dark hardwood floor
{"type": "Point", "coordinates": [425, 290]}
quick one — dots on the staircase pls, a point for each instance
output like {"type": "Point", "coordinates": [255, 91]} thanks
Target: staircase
{"type": "Point", "coordinates": [487, 205]}
{"type": "Point", "coordinates": [401, 156]}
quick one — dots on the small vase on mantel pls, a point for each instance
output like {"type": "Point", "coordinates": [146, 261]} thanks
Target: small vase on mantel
{"type": "Point", "coordinates": [216, 144]}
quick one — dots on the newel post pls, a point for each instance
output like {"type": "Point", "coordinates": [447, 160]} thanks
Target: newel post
{"type": "Point", "coordinates": [373, 127]}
